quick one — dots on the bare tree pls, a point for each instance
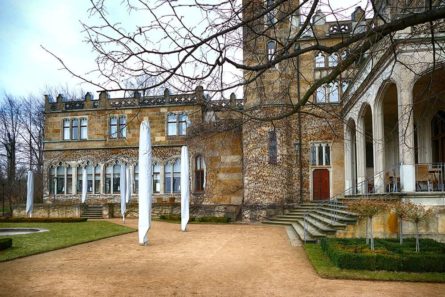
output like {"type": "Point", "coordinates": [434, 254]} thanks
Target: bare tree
{"type": "Point", "coordinates": [188, 43]}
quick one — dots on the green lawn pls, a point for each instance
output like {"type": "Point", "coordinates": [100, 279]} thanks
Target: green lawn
{"type": "Point", "coordinates": [325, 268]}
{"type": "Point", "coordinates": [60, 235]}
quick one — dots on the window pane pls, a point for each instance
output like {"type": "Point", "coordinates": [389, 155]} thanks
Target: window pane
{"type": "Point", "coordinates": [60, 180]}
{"type": "Point", "coordinates": [123, 126]}
{"type": "Point", "coordinates": [66, 129]}
{"type": "Point", "coordinates": [116, 178]}
{"type": "Point", "coordinates": [69, 180]}
{"type": "Point", "coordinates": [319, 61]}
{"type": "Point", "coordinates": [333, 60]}
{"type": "Point", "coordinates": [313, 155]}
{"type": "Point", "coordinates": [271, 50]}
{"type": "Point", "coordinates": [75, 129]}
{"type": "Point", "coordinates": [171, 129]}
{"type": "Point", "coordinates": [321, 95]}
{"type": "Point", "coordinates": [333, 93]}
{"type": "Point", "coordinates": [108, 174]}
{"type": "Point", "coordinates": [320, 154]}
{"type": "Point", "coordinates": [113, 127]}
{"type": "Point", "coordinates": [97, 179]}
{"type": "Point", "coordinates": [89, 179]}
{"type": "Point", "coordinates": [83, 128]}
{"type": "Point", "coordinates": [79, 179]}
{"type": "Point", "coordinates": [327, 156]}
{"type": "Point", "coordinates": [168, 178]}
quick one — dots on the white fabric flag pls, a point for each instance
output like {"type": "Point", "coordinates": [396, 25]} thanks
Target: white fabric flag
{"type": "Point", "coordinates": [84, 184]}
{"type": "Point", "coordinates": [145, 184]}
{"type": "Point", "coordinates": [30, 193]}
{"type": "Point", "coordinates": [128, 186]}
{"type": "Point", "coordinates": [123, 184]}
{"type": "Point", "coordinates": [185, 188]}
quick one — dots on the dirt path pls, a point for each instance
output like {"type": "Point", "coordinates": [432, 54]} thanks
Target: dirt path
{"type": "Point", "coordinates": [209, 260]}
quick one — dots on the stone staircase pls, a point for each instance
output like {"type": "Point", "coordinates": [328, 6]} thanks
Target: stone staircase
{"type": "Point", "coordinates": [92, 212]}
{"type": "Point", "coordinates": [322, 219]}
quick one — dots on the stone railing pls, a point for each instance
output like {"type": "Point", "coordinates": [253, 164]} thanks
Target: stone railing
{"type": "Point", "coordinates": [104, 101]}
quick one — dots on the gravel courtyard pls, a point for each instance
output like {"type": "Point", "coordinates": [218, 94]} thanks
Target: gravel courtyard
{"type": "Point", "coordinates": [208, 260]}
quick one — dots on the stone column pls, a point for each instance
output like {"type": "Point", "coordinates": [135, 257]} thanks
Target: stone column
{"type": "Point", "coordinates": [162, 176]}
{"type": "Point", "coordinates": [361, 155]}
{"type": "Point", "coordinates": [406, 135]}
{"type": "Point", "coordinates": [102, 175]}
{"type": "Point", "coordinates": [378, 147]}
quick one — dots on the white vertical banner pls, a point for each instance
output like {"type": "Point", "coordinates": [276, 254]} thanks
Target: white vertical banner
{"type": "Point", "coordinates": [122, 185]}
{"type": "Point", "coordinates": [145, 184]}
{"type": "Point", "coordinates": [185, 188]}
{"type": "Point", "coordinates": [30, 193]}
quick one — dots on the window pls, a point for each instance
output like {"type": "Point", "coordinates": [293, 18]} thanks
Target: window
{"type": "Point", "coordinates": [333, 92]}
{"type": "Point", "coordinates": [122, 127]}
{"type": "Point", "coordinates": [321, 95]}
{"type": "Point", "coordinates": [177, 124]}
{"type": "Point", "coordinates": [116, 178]}
{"type": "Point", "coordinates": [74, 129]}
{"type": "Point", "coordinates": [79, 179]}
{"type": "Point", "coordinates": [320, 154]}
{"type": "Point", "coordinates": [333, 60]}
{"type": "Point", "coordinates": [113, 127]}
{"type": "Point", "coordinates": [69, 180]}
{"type": "Point", "coordinates": [108, 177]}
{"type": "Point", "coordinates": [173, 176]}
{"type": "Point", "coordinates": [97, 179]}
{"type": "Point", "coordinates": [270, 15]}
{"type": "Point", "coordinates": [90, 179]}
{"type": "Point", "coordinates": [344, 86]}
{"type": "Point", "coordinates": [136, 179]}
{"type": "Point", "coordinates": [83, 128]}
{"type": "Point", "coordinates": [271, 50]}
{"type": "Point", "coordinates": [52, 177]}
{"type": "Point", "coordinates": [60, 182]}
{"type": "Point", "coordinates": [156, 178]}
{"type": "Point", "coordinates": [66, 129]}
{"type": "Point", "coordinates": [272, 147]}
{"type": "Point", "coordinates": [329, 93]}
{"type": "Point", "coordinates": [320, 61]}
{"type": "Point", "coordinates": [199, 173]}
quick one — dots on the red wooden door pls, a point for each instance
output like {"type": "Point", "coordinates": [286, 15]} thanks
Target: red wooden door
{"type": "Point", "coordinates": [320, 184]}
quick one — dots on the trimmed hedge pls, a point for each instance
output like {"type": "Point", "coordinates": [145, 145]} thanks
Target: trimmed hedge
{"type": "Point", "coordinates": [5, 243]}
{"type": "Point", "coordinates": [42, 220]}
{"type": "Point", "coordinates": [353, 254]}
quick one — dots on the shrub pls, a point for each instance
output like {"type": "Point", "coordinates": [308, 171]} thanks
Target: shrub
{"type": "Point", "coordinates": [5, 243]}
{"type": "Point", "coordinates": [389, 255]}
{"type": "Point", "coordinates": [42, 220]}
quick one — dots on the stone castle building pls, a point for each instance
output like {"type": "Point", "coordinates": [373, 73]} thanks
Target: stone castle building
{"type": "Point", "coordinates": [375, 129]}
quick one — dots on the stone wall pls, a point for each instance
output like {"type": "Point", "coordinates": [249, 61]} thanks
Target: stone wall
{"type": "Point", "coordinates": [48, 211]}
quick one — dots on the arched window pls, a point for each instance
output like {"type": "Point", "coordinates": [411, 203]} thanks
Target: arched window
{"type": "Point", "coordinates": [79, 179]}
{"type": "Point", "coordinates": [51, 180]}
{"type": "Point", "coordinates": [271, 50]}
{"type": "Point", "coordinates": [321, 95]}
{"type": "Point", "coordinates": [156, 178]}
{"type": "Point", "coordinates": [97, 179]}
{"type": "Point", "coordinates": [69, 180]}
{"type": "Point", "coordinates": [108, 178]}
{"type": "Point", "coordinates": [320, 61]}
{"type": "Point", "coordinates": [199, 173]}
{"type": "Point", "coordinates": [333, 60]}
{"type": "Point", "coordinates": [116, 178]}
{"type": "Point", "coordinates": [90, 179]}
{"type": "Point", "coordinates": [60, 180]}
{"type": "Point", "coordinates": [333, 92]}
{"type": "Point", "coordinates": [136, 179]}
{"type": "Point", "coordinates": [270, 15]}
{"type": "Point", "coordinates": [273, 147]}
{"type": "Point", "coordinates": [344, 86]}
{"type": "Point", "coordinates": [173, 176]}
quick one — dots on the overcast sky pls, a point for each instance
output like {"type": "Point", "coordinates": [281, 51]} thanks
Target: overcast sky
{"type": "Point", "coordinates": [26, 25]}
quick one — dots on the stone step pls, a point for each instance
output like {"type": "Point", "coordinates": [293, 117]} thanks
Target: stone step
{"type": "Point", "coordinates": [300, 232]}
{"type": "Point", "coordinates": [341, 212]}
{"type": "Point", "coordinates": [326, 204]}
{"type": "Point", "coordinates": [320, 225]}
{"type": "Point", "coordinates": [327, 221]}
{"type": "Point", "coordinates": [335, 217]}
{"type": "Point", "coordinates": [313, 232]}
{"type": "Point", "coordinates": [290, 216]}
